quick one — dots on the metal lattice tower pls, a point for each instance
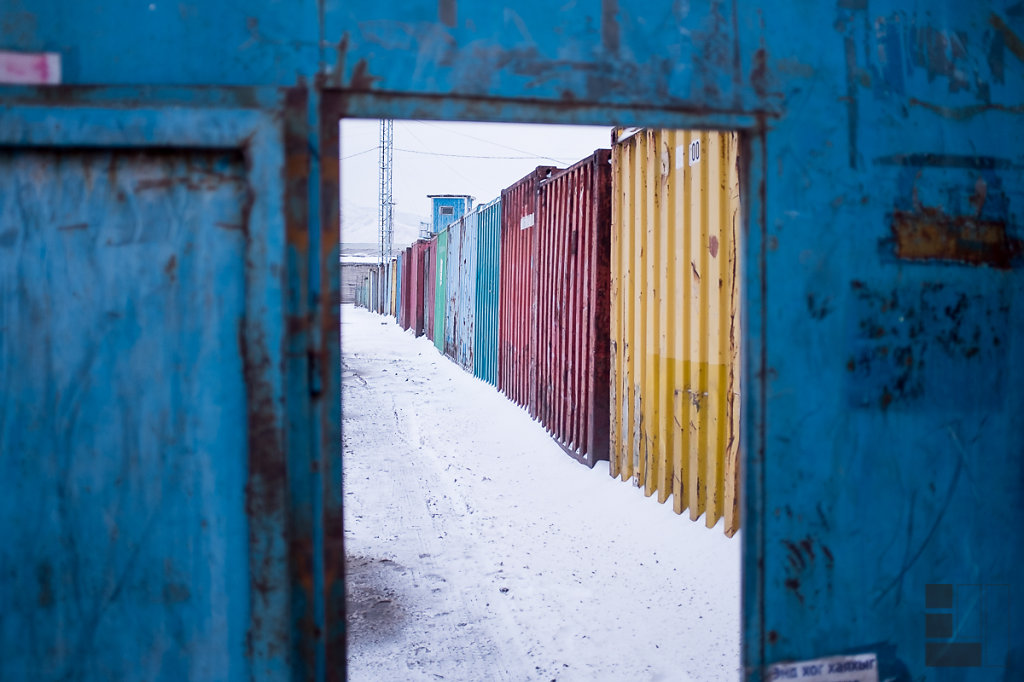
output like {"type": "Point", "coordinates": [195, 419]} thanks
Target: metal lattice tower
{"type": "Point", "coordinates": [387, 217]}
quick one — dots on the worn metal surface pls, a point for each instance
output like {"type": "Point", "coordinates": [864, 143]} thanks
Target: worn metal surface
{"type": "Point", "coordinates": [429, 286]}
{"type": "Point", "coordinates": [440, 286]}
{"type": "Point", "coordinates": [488, 283]}
{"type": "Point", "coordinates": [675, 319]}
{"type": "Point", "coordinates": [569, 353]}
{"type": "Point", "coordinates": [452, 287]}
{"type": "Point", "coordinates": [845, 110]}
{"type": "Point", "coordinates": [460, 314]}
{"type": "Point", "coordinates": [144, 534]}
{"type": "Point", "coordinates": [404, 276]}
{"type": "Point", "coordinates": [465, 334]}
{"type": "Point", "coordinates": [515, 309]}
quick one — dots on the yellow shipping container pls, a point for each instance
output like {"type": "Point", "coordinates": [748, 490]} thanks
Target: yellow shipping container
{"type": "Point", "coordinates": [675, 316]}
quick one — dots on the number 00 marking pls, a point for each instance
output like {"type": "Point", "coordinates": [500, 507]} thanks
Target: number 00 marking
{"type": "Point", "coordinates": [694, 152]}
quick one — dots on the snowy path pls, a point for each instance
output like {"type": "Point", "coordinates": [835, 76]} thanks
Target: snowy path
{"type": "Point", "coordinates": [477, 550]}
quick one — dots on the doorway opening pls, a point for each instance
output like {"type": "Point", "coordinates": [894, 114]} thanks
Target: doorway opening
{"type": "Point", "coordinates": [549, 290]}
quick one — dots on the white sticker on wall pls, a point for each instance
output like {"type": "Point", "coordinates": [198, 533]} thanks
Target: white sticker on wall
{"type": "Point", "coordinates": [29, 68]}
{"type": "Point", "coordinates": [694, 152]}
{"type": "Point", "coordinates": [680, 156]}
{"type": "Point", "coordinates": [526, 221]}
{"type": "Point", "coordinates": [859, 668]}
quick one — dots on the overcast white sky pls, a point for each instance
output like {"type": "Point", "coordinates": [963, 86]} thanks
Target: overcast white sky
{"type": "Point", "coordinates": [420, 167]}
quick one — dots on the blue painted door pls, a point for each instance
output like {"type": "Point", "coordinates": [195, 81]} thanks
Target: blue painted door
{"type": "Point", "coordinates": [141, 423]}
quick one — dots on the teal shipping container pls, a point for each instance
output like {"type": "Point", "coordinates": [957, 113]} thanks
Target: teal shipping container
{"type": "Point", "coordinates": [488, 280]}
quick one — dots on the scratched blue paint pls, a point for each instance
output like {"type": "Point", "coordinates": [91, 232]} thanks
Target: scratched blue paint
{"type": "Point", "coordinates": [488, 277]}
{"type": "Point", "coordinates": [853, 500]}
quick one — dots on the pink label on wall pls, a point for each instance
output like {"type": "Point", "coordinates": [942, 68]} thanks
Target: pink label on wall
{"type": "Point", "coordinates": [29, 68]}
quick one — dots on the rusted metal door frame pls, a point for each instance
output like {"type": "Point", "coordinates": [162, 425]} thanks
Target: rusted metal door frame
{"type": "Point", "coordinates": [752, 127]}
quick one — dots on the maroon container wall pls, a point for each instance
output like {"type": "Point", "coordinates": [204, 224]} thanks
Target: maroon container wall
{"type": "Point", "coordinates": [572, 280]}
{"type": "Point", "coordinates": [419, 250]}
{"type": "Point", "coordinates": [516, 310]}
{"type": "Point", "coordinates": [427, 282]}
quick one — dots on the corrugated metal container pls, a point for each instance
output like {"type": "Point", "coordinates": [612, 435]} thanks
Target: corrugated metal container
{"type": "Point", "coordinates": [518, 219]}
{"type": "Point", "coordinates": [393, 287]}
{"type": "Point", "coordinates": [397, 287]}
{"type": "Point", "coordinates": [417, 286]}
{"type": "Point", "coordinates": [452, 287]}
{"type": "Point", "coordinates": [405, 306]}
{"type": "Point", "coordinates": [675, 319]}
{"type": "Point", "coordinates": [488, 282]}
{"type": "Point", "coordinates": [440, 287]}
{"type": "Point", "coordinates": [569, 355]}
{"type": "Point", "coordinates": [465, 311]}
{"type": "Point", "coordinates": [429, 280]}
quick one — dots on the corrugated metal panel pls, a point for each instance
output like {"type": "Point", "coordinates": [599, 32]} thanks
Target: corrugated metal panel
{"type": "Point", "coordinates": [397, 287]}
{"type": "Point", "coordinates": [393, 287]}
{"type": "Point", "coordinates": [570, 353]}
{"type": "Point", "coordinates": [518, 219]}
{"type": "Point", "coordinates": [675, 320]}
{"type": "Point", "coordinates": [452, 287]}
{"type": "Point", "coordinates": [465, 333]}
{"type": "Point", "coordinates": [488, 280]}
{"type": "Point", "coordinates": [429, 281]}
{"type": "Point", "coordinates": [418, 262]}
{"type": "Point", "coordinates": [440, 287]}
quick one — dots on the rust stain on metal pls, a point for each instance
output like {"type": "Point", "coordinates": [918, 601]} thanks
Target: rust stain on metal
{"type": "Point", "coordinates": [713, 246]}
{"type": "Point", "coordinates": [759, 72]}
{"type": "Point", "coordinates": [362, 79]}
{"type": "Point", "coordinates": [1012, 41]}
{"type": "Point", "coordinates": [171, 267]}
{"type": "Point", "coordinates": [929, 233]}
{"type": "Point", "coordinates": [446, 12]}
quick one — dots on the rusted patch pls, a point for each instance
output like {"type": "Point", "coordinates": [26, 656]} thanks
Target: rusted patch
{"type": "Point", "coordinates": [713, 246]}
{"type": "Point", "coordinates": [1010, 39]}
{"type": "Point", "coordinates": [171, 267]}
{"type": "Point", "coordinates": [362, 79]}
{"type": "Point", "coordinates": [773, 637]}
{"type": "Point", "coordinates": [759, 72]}
{"type": "Point", "coordinates": [928, 234]}
{"type": "Point", "coordinates": [446, 12]}
{"type": "Point", "coordinates": [610, 25]}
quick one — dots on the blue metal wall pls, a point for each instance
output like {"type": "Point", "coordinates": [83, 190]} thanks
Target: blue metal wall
{"type": "Point", "coordinates": [459, 205]}
{"type": "Point", "coordinates": [883, 359]}
{"type": "Point", "coordinates": [488, 281]}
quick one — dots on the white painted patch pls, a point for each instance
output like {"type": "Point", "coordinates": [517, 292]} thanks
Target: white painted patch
{"type": "Point", "coordinates": [526, 222]}
{"type": "Point", "coordinates": [29, 68]}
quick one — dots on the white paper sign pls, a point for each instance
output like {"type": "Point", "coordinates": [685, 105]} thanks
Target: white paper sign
{"type": "Point", "coordinates": [526, 221]}
{"type": "Point", "coordinates": [859, 668]}
{"type": "Point", "coordinates": [29, 68]}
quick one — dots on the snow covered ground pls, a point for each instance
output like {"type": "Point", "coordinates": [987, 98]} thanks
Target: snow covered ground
{"type": "Point", "coordinates": [477, 550]}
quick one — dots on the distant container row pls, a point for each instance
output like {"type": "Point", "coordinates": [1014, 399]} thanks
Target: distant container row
{"type": "Point", "coordinates": [604, 299]}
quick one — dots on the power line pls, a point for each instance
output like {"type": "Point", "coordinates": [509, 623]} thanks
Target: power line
{"type": "Point", "coordinates": [365, 151]}
{"type": "Point", "coordinates": [496, 144]}
{"type": "Point", "coordinates": [471, 156]}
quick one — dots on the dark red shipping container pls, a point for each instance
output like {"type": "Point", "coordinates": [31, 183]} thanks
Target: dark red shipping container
{"type": "Point", "coordinates": [516, 301]}
{"type": "Point", "coordinates": [427, 284]}
{"type": "Point", "coordinates": [570, 349]}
